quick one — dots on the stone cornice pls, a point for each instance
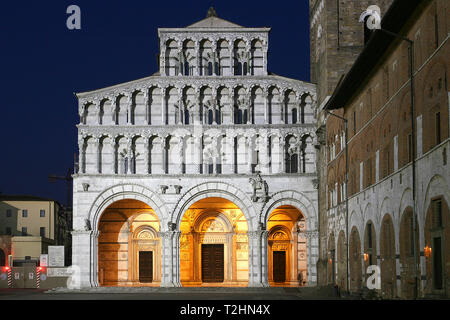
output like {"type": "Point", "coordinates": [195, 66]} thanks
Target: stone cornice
{"type": "Point", "coordinates": [194, 130]}
{"type": "Point", "coordinates": [144, 84]}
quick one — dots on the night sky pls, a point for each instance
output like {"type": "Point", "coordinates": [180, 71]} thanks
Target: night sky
{"type": "Point", "coordinates": [42, 63]}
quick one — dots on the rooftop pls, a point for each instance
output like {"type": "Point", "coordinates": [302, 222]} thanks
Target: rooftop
{"type": "Point", "coordinates": [15, 197]}
{"type": "Point", "coordinates": [394, 21]}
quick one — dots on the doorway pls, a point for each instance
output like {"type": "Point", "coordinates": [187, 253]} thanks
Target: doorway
{"type": "Point", "coordinates": [279, 266]}
{"type": "Point", "coordinates": [145, 266]}
{"type": "Point", "coordinates": [212, 262]}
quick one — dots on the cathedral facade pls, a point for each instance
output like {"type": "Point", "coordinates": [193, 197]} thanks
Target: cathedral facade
{"type": "Point", "coordinates": [203, 174]}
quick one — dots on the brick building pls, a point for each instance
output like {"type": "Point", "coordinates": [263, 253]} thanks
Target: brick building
{"type": "Point", "coordinates": [398, 149]}
{"type": "Point", "coordinates": [337, 38]}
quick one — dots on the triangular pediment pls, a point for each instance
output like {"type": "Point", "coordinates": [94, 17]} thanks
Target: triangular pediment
{"type": "Point", "coordinates": [214, 22]}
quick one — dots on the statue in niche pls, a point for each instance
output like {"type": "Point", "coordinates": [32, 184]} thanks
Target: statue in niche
{"type": "Point", "coordinates": [260, 188]}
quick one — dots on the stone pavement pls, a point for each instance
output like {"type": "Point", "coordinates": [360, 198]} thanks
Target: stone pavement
{"type": "Point", "coordinates": [156, 293]}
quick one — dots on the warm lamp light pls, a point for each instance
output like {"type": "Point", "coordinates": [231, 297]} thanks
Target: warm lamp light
{"type": "Point", "coordinates": [366, 257]}
{"type": "Point", "coordinates": [330, 261]}
{"type": "Point", "coordinates": [427, 251]}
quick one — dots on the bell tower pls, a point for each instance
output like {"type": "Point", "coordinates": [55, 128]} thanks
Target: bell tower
{"type": "Point", "coordinates": [337, 38]}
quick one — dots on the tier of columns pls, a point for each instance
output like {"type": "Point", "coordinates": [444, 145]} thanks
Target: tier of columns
{"type": "Point", "coordinates": [246, 57]}
{"type": "Point", "coordinates": [234, 103]}
{"type": "Point", "coordinates": [257, 152]}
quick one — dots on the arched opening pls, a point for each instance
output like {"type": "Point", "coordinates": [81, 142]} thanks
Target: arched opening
{"type": "Point", "coordinates": [355, 261]}
{"type": "Point", "coordinates": [291, 154]}
{"type": "Point", "coordinates": [341, 260]}
{"type": "Point", "coordinates": [245, 68]}
{"type": "Point", "coordinates": [214, 244]}
{"type": "Point", "coordinates": [406, 241]}
{"type": "Point", "coordinates": [287, 260]}
{"type": "Point", "coordinates": [238, 70]}
{"type": "Point", "coordinates": [294, 115]}
{"type": "Point", "coordinates": [210, 116]}
{"type": "Point", "coordinates": [437, 246]}
{"type": "Point", "coordinates": [370, 246]}
{"type": "Point", "coordinates": [387, 254]}
{"type": "Point", "coordinates": [331, 269]}
{"type": "Point", "coordinates": [210, 69]}
{"type": "Point", "coordinates": [129, 247]}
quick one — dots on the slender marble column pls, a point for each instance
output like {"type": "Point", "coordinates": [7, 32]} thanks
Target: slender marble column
{"type": "Point", "coordinates": [250, 146]}
{"type": "Point", "coordinates": [266, 107]}
{"type": "Point", "coordinates": [282, 155]}
{"type": "Point", "coordinates": [165, 164]}
{"type": "Point", "coordinates": [199, 148]}
{"type": "Point", "coordinates": [231, 59]}
{"type": "Point", "coordinates": [129, 169]}
{"type": "Point", "coordinates": [82, 156]}
{"type": "Point", "coordinates": [129, 110]}
{"type": "Point", "coordinates": [163, 106]}
{"type": "Point", "coordinates": [99, 155]}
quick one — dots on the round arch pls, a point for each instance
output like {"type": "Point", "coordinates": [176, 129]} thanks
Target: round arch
{"type": "Point", "coordinates": [355, 262]}
{"type": "Point", "coordinates": [214, 190]}
{"type": "Point", "coordinates": [126, 191]}
{"type": "Point", "coordinates": [294, 199]}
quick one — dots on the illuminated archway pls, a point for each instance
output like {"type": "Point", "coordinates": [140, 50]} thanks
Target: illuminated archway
{"type": "Point", "coordinates": [287, 260]}
{"type": "Point", "coordinates": [129, 247]}
{"type": "Point", "coordinates": [214, 244]}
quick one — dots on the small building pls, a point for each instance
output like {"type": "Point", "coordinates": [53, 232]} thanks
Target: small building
{"type": "Point", "coordinates": [28, 225]}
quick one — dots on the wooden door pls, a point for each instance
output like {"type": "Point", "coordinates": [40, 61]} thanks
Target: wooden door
{"type": "Point", "coordinates": [212, 262]}
{"type": "Point", "coordinates": [145, 266]}
{"type": "Point", "coordinates": [279, 266]}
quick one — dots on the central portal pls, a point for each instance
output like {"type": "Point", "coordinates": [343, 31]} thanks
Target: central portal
{"type": "Point", "coordinates": [212, 263]}
{"type": "Point", "coordinates": [214, 244]}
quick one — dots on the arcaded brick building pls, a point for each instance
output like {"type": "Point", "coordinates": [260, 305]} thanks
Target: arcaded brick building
{"type": "Point", "coordinates": [337, 38]}
{"type": "Point", "coordinates": [398, 149]}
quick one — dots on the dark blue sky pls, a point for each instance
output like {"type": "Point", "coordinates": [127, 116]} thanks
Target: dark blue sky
{"type": "Point", "coordinates": [42, 63]}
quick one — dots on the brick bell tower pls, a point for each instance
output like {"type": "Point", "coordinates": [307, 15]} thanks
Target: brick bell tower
{"type": "Point", "coordinates": [336, 39]}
